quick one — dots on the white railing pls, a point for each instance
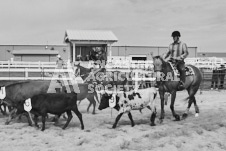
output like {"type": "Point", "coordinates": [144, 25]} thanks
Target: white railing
{"type": "Point", "coordinates": [207, 62]}
{"type": "Point", "coordinates": [24, 74]}
{"type": "Point", "coordinates": [17, 70]}
{"type": "Point", "coordinates": [126, 64]}
{"type": "Point", "coordinates": [23, 64]}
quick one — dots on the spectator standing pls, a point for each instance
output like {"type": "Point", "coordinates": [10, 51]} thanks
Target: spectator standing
{"type": "Point", "coordinates": [222, 71]}
{"type": "Point", "coordinates": [215, 78]}
{"type": "Point", "coordinates": [60, 64]}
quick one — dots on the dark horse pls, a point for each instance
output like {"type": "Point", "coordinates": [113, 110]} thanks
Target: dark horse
{"type": "Point", "coordinates": [82, 71]}
{"type": "Point", "coordinates": [192, 84]}
{"type": "Point", "coordinates": [85, 73]}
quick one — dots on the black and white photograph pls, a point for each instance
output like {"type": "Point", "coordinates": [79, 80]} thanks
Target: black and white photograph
{"type": "Point", "coordinates": [112, 75]}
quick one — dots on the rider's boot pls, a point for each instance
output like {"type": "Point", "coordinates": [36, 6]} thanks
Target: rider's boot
{"type": "Point", "coordinates": [181, 85]}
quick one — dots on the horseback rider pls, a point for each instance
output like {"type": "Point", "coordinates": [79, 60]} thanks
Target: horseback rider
{"type": "Point", "coordinates": [177, 52]}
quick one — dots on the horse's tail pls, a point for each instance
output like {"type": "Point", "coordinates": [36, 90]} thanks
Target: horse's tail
{"type": "Point", "coordinates": [193, 88]}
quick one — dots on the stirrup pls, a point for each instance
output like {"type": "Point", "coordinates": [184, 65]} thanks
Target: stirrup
{"type": "Point", "coordinates": [181, 85]}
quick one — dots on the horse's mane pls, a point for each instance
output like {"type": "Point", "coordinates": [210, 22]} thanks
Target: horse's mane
{"type": "Point", "coordinates": [159, 57]}
{"type": "Point", "coordinates": [81, 67]}
{"type": "Point", "coordinates": [164, 63]}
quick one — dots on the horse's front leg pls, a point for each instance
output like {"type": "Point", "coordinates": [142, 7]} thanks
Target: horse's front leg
{"type": "Point", "coordinates": [162, 115]}
{"type": "Point", "coordinates": [173, 97]}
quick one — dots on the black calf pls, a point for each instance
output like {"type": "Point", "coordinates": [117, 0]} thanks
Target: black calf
{"type": "Point", "coordinates": [55, 104]}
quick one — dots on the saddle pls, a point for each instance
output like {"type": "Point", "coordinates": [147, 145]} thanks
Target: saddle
{"type": "Point", "coordinates": [188, 70]}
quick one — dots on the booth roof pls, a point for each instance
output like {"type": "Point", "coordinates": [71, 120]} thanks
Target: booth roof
{"type": "Point", "coordinates": [90, 35]}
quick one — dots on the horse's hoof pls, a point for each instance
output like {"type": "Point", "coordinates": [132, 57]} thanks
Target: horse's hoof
{"type": "Point", "coordinates": [160, 121]}
{"type": "Point", "coordinates": [177, 117]}
{"type": "Point", "coordinates": [114, 126]}
{"type": "Point", "coordinates": [153, 124]}
{"type": "Point", "coordinates": [93, 113]}
{"type": "Point", "coordinates": [184, 116]}
{"type": "Point", "coordinates": [133, 125]}
{"type": "Point", "coordinates": [197, 115]}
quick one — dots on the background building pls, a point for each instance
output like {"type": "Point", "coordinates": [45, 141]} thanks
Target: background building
{"type": "Point", "coordinates": [79, 43]}
{"type": "Point", "coordinates": [32, 52]}
{"type": "Point", "coordinates": [144, 52]}
{"type": "Point", "coordinates": [212, 54]}
{"type": "Point", "coordinates": [48, 53]}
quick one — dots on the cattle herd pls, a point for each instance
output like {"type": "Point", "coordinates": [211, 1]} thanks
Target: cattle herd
{"type": "Point", "coordinates": [34, 98]}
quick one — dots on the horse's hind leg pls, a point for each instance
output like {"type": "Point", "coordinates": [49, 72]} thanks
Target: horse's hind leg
{"type": "Point", "coordinates": [196, 108]}
{"type": "Point", "coordinates": [96, 96]}
{"type": "Point", "coordinates": [91, 99]}
{"type": "Point", "coordinates": [90, 103]}
{"type": "Point", "coordinates": [191, 91]}
{"type": "Point", "coordinates": [94, 105]}
{"type": "Point", "coordinates": [185, 115]}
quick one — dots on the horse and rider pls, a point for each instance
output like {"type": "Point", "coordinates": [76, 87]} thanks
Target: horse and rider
{"type": "Point", "coordinates": [177, 52]}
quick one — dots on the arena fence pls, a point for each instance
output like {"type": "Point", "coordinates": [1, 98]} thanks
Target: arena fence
{"type": "Point", "coordinates": [23, 64]}
{"type": "Point", "coordinates": [142, 70]}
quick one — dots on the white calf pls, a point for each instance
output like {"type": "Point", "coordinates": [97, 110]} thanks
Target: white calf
{"type": "Point", "coordinates": [124, 102]}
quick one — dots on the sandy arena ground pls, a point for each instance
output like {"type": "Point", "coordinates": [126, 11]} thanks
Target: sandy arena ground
{"type": "Point", "coordinates": [206, 132]}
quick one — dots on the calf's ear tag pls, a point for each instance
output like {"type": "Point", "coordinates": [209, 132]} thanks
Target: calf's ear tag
{"type": "Point", "coordinates": [112, 101]}
{"type": "Point", "coordinates": [27, 105]}
{"type": "Point", "coordinates": [2, 93]}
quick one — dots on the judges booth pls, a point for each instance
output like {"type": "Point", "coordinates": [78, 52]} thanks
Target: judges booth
{"type": "Point", "coordinates": [83, 42]}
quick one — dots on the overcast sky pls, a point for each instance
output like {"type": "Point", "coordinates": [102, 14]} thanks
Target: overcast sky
{"type": "Point", "coordinates": [202, 23]}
